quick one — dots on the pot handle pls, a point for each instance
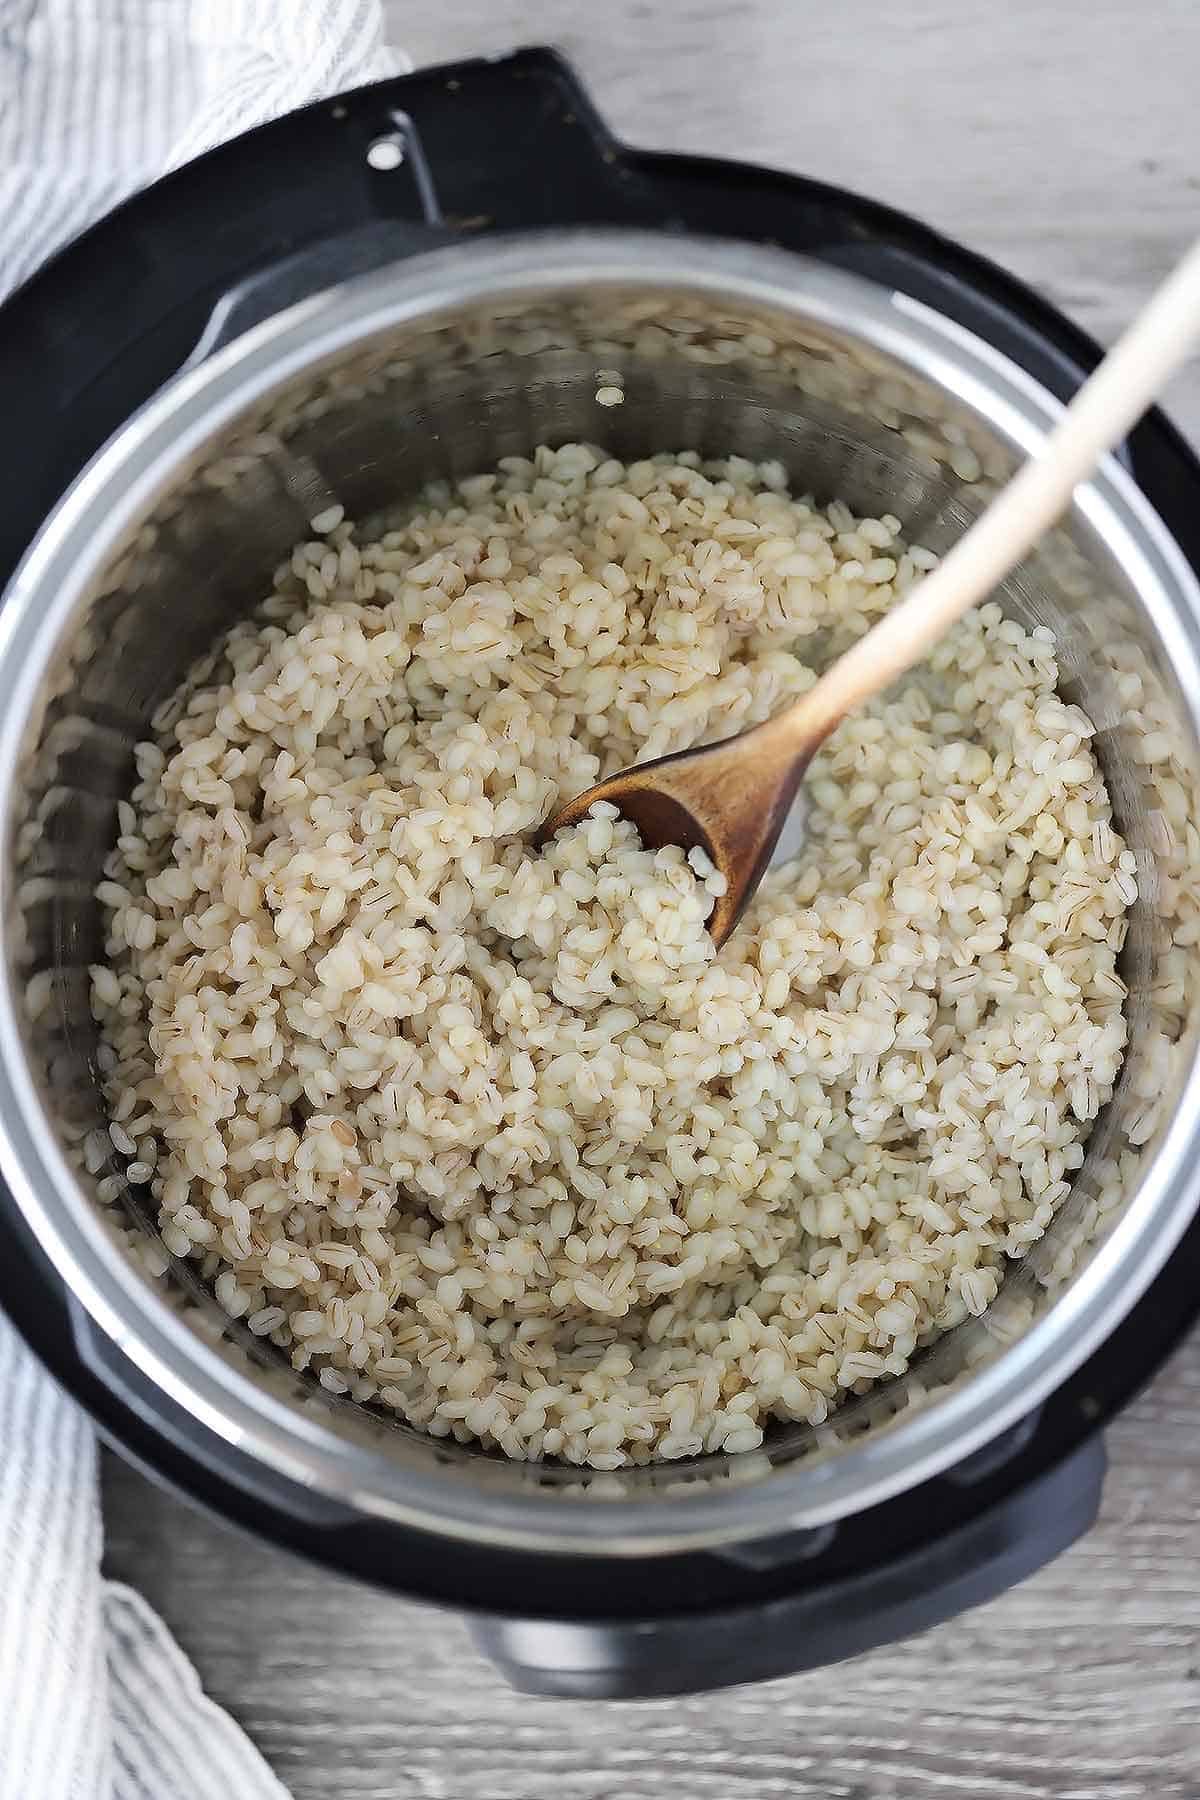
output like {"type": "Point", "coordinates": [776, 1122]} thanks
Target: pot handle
{"type": "Point", "coordinates": [332, 260]}
{"type": "Point", "coordinates": [655, 1658]}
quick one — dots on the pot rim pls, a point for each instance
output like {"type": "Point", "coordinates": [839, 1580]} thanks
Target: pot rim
{"type": "Point", "coordinates": [115, 491]}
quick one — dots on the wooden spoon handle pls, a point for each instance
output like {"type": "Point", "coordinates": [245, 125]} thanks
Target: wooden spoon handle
{"type": "Point", "coordinates": [1107, 404]}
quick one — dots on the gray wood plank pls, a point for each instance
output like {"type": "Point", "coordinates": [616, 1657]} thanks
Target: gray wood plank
{"type": "Point", "coordinates": [1062, 139]}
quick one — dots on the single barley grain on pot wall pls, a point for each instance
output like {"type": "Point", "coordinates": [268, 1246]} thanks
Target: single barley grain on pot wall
{"type": "Point", "coordinates": [493, 1138]}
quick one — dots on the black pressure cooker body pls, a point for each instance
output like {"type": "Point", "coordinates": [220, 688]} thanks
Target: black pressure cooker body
{"type": "Point", "coordinates": [351, 184]}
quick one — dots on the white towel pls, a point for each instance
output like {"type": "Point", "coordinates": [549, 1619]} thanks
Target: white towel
{"type": "Point", "coordinates": [97, 97]}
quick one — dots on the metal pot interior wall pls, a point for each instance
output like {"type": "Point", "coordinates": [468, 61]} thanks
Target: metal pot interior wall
{"type": "Point", "coordinates": [438, 398]}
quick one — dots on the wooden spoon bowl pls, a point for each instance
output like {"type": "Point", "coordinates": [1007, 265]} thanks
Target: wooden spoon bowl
{"type": "Point", "coordinates": [730, 799]}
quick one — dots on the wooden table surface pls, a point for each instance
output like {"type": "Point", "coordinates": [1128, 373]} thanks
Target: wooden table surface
{"type": "Point", "coordinates": [1060, 136]}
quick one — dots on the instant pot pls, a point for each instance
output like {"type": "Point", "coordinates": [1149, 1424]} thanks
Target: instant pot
{"type": "Point", "coordinates": [408, 283]}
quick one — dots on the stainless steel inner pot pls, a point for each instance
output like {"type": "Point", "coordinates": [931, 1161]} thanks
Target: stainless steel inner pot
{"type": "Point", "coordinates": [436, 368]}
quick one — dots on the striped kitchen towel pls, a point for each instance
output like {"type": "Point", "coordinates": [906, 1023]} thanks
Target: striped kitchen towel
{"type": "Point", "coordinates": [98, 97]}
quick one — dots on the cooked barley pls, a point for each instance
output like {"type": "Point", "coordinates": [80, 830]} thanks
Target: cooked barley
{"type": "Point", "coordinates": [493, 1138]}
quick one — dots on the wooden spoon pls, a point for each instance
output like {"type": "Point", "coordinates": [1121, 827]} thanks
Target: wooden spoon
{"type": "Point", "coordinates": [731, 798]}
